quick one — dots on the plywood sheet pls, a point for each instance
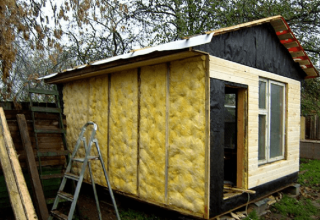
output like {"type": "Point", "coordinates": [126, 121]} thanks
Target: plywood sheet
{"type": "Point", "coordinates": [123, 131]}
{"type": "Point", "coordinates": [152, 133]}
{"type": "Point", "coordinates": [186, 171]}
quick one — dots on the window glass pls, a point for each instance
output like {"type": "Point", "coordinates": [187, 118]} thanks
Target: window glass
{"type": "Point", "coordinates": [262, 94]}
{"type": "Point", "coordinates": [276, 120]}
{"type": "Point", "coordinates": [230, 121]}
{"type": "Point", "coordinates": [262, 137]}
{"type": "Point", "coordinates": [271, 137]}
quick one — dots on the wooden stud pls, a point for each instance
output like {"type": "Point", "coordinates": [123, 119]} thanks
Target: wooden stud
{"type": "Point", "coordinates": [40, 200]}
{"type": "Point", "coordinates": [108, 123]}
{"type": "Point", "coordinates": [242, 148]}
{"type": "Point", "coordinates": [138, 127]}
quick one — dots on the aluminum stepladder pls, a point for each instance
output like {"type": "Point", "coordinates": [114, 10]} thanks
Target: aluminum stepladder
{"type": "Point", "coordinates": [68, 175]}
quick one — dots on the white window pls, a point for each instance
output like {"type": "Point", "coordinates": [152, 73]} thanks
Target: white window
{"type": "Point", "coordinates": [271, 121]}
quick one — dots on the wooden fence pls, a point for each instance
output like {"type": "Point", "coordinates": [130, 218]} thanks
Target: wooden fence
{"type": "Point", "coordinates": [312, 127]}
{"type": "Point", "coordinates": [50, 142]}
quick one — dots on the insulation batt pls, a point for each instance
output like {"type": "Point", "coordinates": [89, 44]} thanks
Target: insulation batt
{"type": "Point", "coordinates": [98, 112]}
{"type": "Point", "coordinates": [152, 133]}
{"type": "Point", "coordinates": [186, 171]}
{"type": "Point", "coordinates": [75, 98]}
{"type": "Point", "coordinates": [144, 174]}
{"type": "Point", "coordinates": [123, 131]}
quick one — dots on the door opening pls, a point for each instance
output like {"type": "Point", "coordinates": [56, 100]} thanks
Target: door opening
{"type": "Point", "coordinates": [235, 150]}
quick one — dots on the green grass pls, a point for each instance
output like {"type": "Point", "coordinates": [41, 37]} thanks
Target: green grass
{"type": "Point", "coordinates": [136, 215]}
{"type": "Point", "coordinates": [252, 216]}
{"type": "Point", "coordinates": [311, 178]}
{"type": "Point", "coordinates": [302, 208]}
{"type": "Point", "coordinates": [295, 209]}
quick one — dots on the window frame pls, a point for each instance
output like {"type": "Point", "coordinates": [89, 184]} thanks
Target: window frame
{"type": "Point", "coordinates": [267, 113]}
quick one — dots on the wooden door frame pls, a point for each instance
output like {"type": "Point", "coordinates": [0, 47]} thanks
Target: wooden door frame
{"type": "Point", "coordinates": [242, 138]}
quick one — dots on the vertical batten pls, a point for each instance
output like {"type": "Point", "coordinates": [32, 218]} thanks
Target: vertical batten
{"type": "Point", "coordinates": [167, 130]}
{"type": "Point", "coordinates": [138, 128]}
{"type": "Point", "coordinates": [108, 122]}
{"type": "Point", "coordinates": [207, 138]}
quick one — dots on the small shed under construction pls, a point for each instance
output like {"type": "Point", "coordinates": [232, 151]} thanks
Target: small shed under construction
{"type": "Point", "coordinates": [194, 125]}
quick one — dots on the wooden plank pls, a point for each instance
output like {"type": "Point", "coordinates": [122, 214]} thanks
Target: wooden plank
{"type": "Point", "coordinates": [45, 109]}
{"type": "Point", "coordinates": [43, 91]}
{"type": "Point", "coordinates": [240, 190]}
{"type": "Point", "coordinates": [242, 151]}
{"type": "Point", "coordinates": [279, 25]}
{"type": "Point", "coordinates": [303, 62]}
{"type": "Point", "coordinates": [291, 44]}
{"type": "Point", "coordinates": [10, 181]}
{"type": "Point", "coordinates": [298, 54]}
{"type": "Point", "coordinates": [17, 187]}
{"type": "Point", "coordinates": [247, 24]}
{"type": "Point", "coordinates": [40, 201]}
{"type": "Point", "coordinates": [285, 36]}
{"type": "Point", "coordinates": [207, 138]}
{"type": "Point", "coordinates": [310, 72]}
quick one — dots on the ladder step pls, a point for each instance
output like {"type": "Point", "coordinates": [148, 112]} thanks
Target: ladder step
{"type": "Point", "coordinates": [44, 91]}
{"type": "Point", "coordinates": [56, 131]}
{"type": "Point", "coordinates": [65, 195]}
{"type": "Point", "coordinates": [71, 176]}
{"type": "Point", "coordinates": [51, 176]}
{"type": "Point", "coordinates": [45, 109]}
{"type": "Point", "coordinates": [59, 215]}
{"type": "Point", "coordinates": [89, 158]}
{"type": "Point", "coordinates": [53, 153]}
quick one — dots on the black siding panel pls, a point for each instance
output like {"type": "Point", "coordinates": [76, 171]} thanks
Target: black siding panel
{"type": "Point", "coordinates": [257, 47]}
{"type": "Point", "coordinates": [217, 93]}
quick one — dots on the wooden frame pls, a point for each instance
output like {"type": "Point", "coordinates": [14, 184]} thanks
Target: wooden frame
{"type": "Point", "coordinates": [267, 113]}
{"type": "Point", "coordinates": [242, 136]}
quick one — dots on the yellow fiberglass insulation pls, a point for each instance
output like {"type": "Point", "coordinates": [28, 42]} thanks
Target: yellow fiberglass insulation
{"type": "Point", "coordinates": [98, 113]}
{"type": "Point", "coordinates": [75, 98]}
{"type": "Point", "coordinates": [152, 133]}
{"type": "Point", "coordinates": [186, 167]}
{"type": "Point", "coordinates": [123, 131]}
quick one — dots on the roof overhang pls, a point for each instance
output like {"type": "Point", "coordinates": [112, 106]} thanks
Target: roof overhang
{"type": "Point", "coordinates": [183, 49]}
{"type": "Point", "coordinates": [153, 58]}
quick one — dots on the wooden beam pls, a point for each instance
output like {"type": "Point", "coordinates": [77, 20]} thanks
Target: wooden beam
{"type": "Point", "coordinates": [40, 201]}
{"type": "Point", "coordinates": [244, 25]}
{"type": "Point", "coordinates": [16, 185]}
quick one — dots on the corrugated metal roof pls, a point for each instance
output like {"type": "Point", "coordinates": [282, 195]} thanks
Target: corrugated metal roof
{"type": "Point", "coordinates": [279, 24]}
{"type": "Point", "coordinates": [175, 45]}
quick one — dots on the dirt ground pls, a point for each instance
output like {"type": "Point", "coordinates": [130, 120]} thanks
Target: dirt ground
{"type": "Point", "coordinates": [132, 209]}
